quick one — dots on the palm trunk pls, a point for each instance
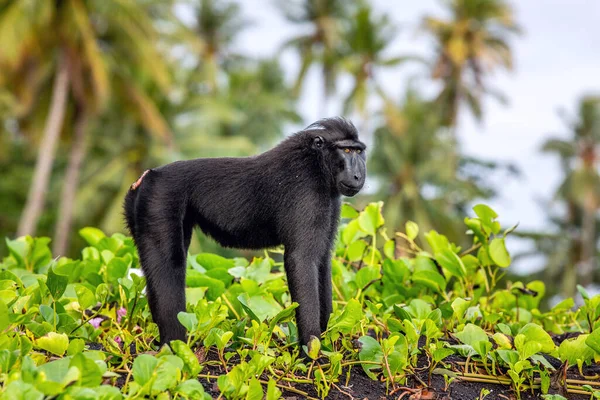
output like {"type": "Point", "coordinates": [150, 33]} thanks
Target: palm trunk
{"type": "Point", "coordinates": [569, 276]}
{"type": "Point", "coordinates": [67, 201]}
{"type": "Point", "coordinates": [588, 240]}
{"type": "Point", "coordinates": [46, 152]}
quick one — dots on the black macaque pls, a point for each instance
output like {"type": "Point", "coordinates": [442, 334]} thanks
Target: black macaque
{"type": "Point", "coordinates": [289, 195]}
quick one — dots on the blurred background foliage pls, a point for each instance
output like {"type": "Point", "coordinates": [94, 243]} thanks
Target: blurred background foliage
{"type": "Point", "coordinates": [93, 92]}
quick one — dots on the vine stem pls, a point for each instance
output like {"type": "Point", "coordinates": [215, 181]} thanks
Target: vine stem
{"type": "Point", "coordinates": [287, 388]}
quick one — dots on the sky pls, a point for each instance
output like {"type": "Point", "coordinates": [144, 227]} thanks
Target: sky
{"type": "Point", "coordinates": [556, 61]}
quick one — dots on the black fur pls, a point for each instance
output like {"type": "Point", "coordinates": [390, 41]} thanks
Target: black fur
{"type": "Point", "coordinates": [288, 195]}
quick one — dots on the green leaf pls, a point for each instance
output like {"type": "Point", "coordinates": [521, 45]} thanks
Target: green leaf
{"type": "Point", "coordinates": [48, 314]}
{"type": "Point", "coordinates": [85, 296]}
{"type": "Point", "coordinates": [167, 374]}
{"type": "Point", "coordinates": [284, 314]}
{"type": "Point", "coordinates": [76, 346]}
{"type": "Point", "coordinates": [389, 249]}
{"type": "Point", "coordinates": [56, 284]}
{"type": "Point", "coordinates": [55, 343]}
{"type": "Point", "coordinates": [255, 391]}
{"type": "Point", "coordinates": [4, 319]}
{"type": "Point", "coordinates": [143, 368]}
{"type": "Point", "coordinates": [412, 229]}
{"type": "Point", "coordinates": [471, 335]}
{"type": "Point", "coordinates": [190, 361]}
{"type": "Point", "coordinates": [91, 375]}
{"type": "Point", "coordinates": [577, 349]}
{"type": "Point", "coordinates": [348, 319]}
{"type": "Point", "coordinates": [188, 320]}
{"type": "Point", "coordinates": [92, 235]}
{"type": "Point", "coordinates": [593, 341]}
{"type": "Point", "coordinates": [431, 279]}
{"type": "Point", "coordinates": [370, 351]}
{"type": "Point", "coordinates": [366, 275]}
{"type": "Point", "coordinates": [356, 250]}
{"type": "Point", "coordinates": [19, 390]}
{"type": "Point", "coordinates": [348, 211]}
{"type": "Point", "coordinates": [190, 389]}
{"type": "Point", "coordinates": [273, 393]}
{"type": "Point", "coordinates": [437, 242]}
{"type": "Point", "coordinates": [535, 333]}
{"type": "Point", "coordinates": [440, 354]}
{"type": "Point", "coordinates": [451, 262]}
{"type": "Point", "coordinates": [370, 219]}
{"type": "Point", "coordinates": [213, 261]}
{"type": "Point", "coordinates": [583, 292]}
{"type": "Point", "coordinates": [486, 215]}
{"type": "Point", "coordinates": [498, 252]}
{"type": "Point", "coordinates": [260, 307]}
{"type": "Point", "coordinates": [313, 348]}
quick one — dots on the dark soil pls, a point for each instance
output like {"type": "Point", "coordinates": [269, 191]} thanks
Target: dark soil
{"type": "Point", "coordinates": [419, 386]}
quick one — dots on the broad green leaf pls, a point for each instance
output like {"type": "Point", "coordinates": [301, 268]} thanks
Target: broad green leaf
{"type": "Point", "coordinates": [85, 296]}
{"type": "Point", "coordinates": [143, 368]}
{"type": "Point", "coordinates": [366, 275]}
{"type": "Point", "coordinates": [76, 346]}
{"type": "Point", "coordinates": [356, 250]}
{"type": "Point", "coordinates": [451, 262]}
{"type": "Point", "coordinates": [190, 360]}
{"type": "Point", "coordinates": [471, 335]}
{"type": "Point", "coordinates": [190, 389]}
{"type": "Point", "coordinates": [92, 235]}
{"type": "Point", "coordinates": [412, 229]}
{"type": "Point", "coordinates": [19, 390]}
{"type": "Point", "coordinates": [91, 375]}
{"type": "Point", "coordinates": [313, 348]}
{"type": "Point", "coordinates": [188, 320]}
{"type": "Point", "coordinates": [502, 340]}
{"type": "Point", "coordinates": [498, 252]}
{"type": "Point", "coordinates": [593, 341]}
{"type": "Point", "coordinates": [536, 333]}
{"type": "Point", "coordinates": [260, 307]}
{"type": "Point", "coordinates": [273, 393]}
{"type": "Point", "coordinates": [348, 211]}
{"type": "Point", "coordinates": [437, 242]}
{"type": "Point", "coordinates": [370, 219]}
{"type": "Point", "coordinates": [213, 261]}
{"type": "Point", "coordinates": [4, 319]}
{"type": "Point", "coordinates": [370, 351]}
{"type": "Point", "coordinates": [55, 343]}
{"type": "Point", "coordinates": [56, 284]}
{"type": "Point", "coordinates": [389, 249]}
{"type": "Point", "coordinates": [255, 391]}
{"type": "Point", "coordinates": [167, 374]}
{"type": "Point", "coordinates": [577, 349]}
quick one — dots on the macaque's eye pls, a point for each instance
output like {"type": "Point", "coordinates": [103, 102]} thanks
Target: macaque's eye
{"type": "Point", "coordinates": [358, 151]}
{"type": "Point", "coordinates": [346, 150]}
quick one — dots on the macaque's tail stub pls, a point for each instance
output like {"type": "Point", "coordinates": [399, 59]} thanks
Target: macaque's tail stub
{"type": "Point", "coordinates": [137, 183]}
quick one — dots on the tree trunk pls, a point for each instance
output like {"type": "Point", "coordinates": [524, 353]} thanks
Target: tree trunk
{"type": "Point", "coordinates": [69, 191]}
{"type": "Point", "coordinates": [588, 240]}
{"type": "Point", "coordinates": [46, 152]}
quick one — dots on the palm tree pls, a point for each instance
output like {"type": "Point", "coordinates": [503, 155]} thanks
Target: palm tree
{"type": "Point", "coordinates": [218, 22]}
{"type": "Point", "coordinates": [580, 190]}
{"type": "Point", "coordinates": [411, 163]}
{"type": "Point", "coordinates": [28, 47]}
{"type": "Point", "coordinates": [322, 43]}
{"type": "Point", "coordinates": [366, 40]}
{"type": "Point", "coordinates": [469, 44]}
{"type": "Point", "coordinates": [93, 43]}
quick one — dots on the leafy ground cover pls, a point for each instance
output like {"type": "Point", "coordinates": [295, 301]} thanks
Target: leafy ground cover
{"type": "Point", "coordinates": [415, 316]}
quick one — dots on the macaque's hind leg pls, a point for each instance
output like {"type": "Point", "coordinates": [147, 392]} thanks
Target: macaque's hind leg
{"type": "Point", "coordinates": [163, 259]}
